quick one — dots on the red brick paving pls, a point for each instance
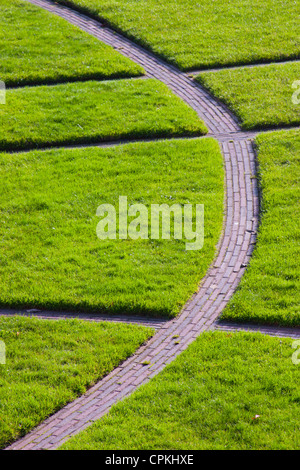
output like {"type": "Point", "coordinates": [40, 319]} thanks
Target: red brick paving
{"type": "Point", "coordinates": [234, 249]}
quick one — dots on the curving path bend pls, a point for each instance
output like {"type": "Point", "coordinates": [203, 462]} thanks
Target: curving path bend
{"type": "Point", "coordinates": [233, 253]}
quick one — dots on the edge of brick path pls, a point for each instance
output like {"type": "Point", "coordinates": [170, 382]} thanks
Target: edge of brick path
{"type": "Point", "coordinates": [243, 66]}
{"type": "Point", "coordinates": [233, 254]}
{"type": "Point", "coordinates": [152, 322]}
{"type": "Point", "coordinates": [271, 330]}
{"type": "Point", "coordinates": [207, 107]}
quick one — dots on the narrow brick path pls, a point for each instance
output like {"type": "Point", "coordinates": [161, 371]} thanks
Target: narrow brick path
{"type": "Point", "coordinates": [281, 332]}
{"type": "Point", "coordinates": [248, 66]}
{"type": "Point", "coordinates": [152, 322]}
{"type": "Point", "coordinates": [234, 250]}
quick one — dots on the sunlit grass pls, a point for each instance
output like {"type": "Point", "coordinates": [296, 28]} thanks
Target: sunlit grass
{"type": "Point", "coordinates": [51, 362]}
{"type": "Point", "coordinates": [39, 47]}
{"type": "Point", "coordinates": [236, 391]}
{"type": "Point", "coordinates": [196, 34]}
{"type": "Point", "coordinates": [91, 112]}
{"type": "Point", "coordinates": [260, 96]}
{"type": "Point", "coordinates": [50, 255]}
{"type": "Point", "coordinates": [269, 292]}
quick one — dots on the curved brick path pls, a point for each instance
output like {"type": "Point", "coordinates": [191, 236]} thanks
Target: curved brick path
{"type": "Point", "coordinates": [234, 250]}
{"type": "Point", "coordinates": [216, 117]}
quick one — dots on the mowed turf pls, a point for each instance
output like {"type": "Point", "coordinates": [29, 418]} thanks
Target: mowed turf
{"type": "Point", "coordinates": [51, 362]}
{"type": "Point", "coordinates": [262, 97]}
{"type": "Point", "coordinates": [225, 392]}
{"type": "Point", "coordinates": [39, 47]}
{"type": "Point", "coordinates": [269, 292]}
{"type": "Point", "coordinates": [91, 112]}
{"type": "Point", "coordinates": [51, 256]}
{"type": "Point", "coordinates": [196, 34]}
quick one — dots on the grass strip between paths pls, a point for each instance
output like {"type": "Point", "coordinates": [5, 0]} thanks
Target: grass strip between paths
{"type": "Point", "coordinates": [50, 255]}
{"type": "Point", "coordinates": [91, 112]}
{"type": "Point", "coordinates": [38, 47]}
{"type": "Point", "coordinates": [227, 391]}
{"type": "Point", "coordinates": [202, 34]}
{"type": "Point", "coordinates": [51, 362]}
{"type": "Point", "coordinates": [261, 97]}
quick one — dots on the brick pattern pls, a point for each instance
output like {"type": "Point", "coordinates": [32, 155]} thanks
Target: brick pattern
{"type": "Point", "coordinates": [233, 253]}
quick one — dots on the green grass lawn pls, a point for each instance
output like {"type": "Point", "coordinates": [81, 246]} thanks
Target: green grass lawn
{"type": "Point", "coordinates": [269, 292]}
{"type": "Point", "coordinates": [50, 363]}
{"type": "Point", "coordinates": [260, 96]}
{"type": "Point", "coordinates": [196, 34]}
{"type": "Point", "coordinates": [225, 392]}
{"type": "Point", "coordinates": [90, 112]}
{"type": "Point", "coordinates": [50, 255]}
{"type": "Point", "coordinates": [39, 47]}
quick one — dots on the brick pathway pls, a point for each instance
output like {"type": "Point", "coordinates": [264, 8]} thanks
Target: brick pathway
{"type": "Point", "coordinates": [155, 323]}
{"type": "Point", "coordinates": [280, 332]}
{"type": "Point", "coordinates": [234, 250]}
{"type": "Point", "coordinates": [248, 66]}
